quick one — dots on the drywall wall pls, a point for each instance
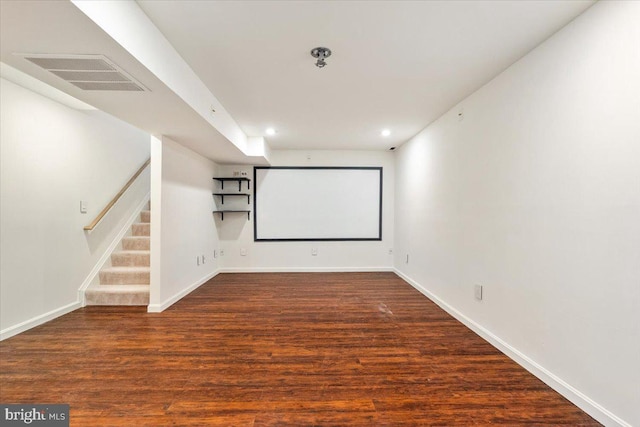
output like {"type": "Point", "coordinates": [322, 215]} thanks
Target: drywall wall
{"type": "Point", "coordinates": [52, 158]}
{"type": "Point", "coordinates": [236, 232]}
{"type": "Point", "coordinates": [534, 193]}
{"type": "Point", "coordinates": [184, 231]}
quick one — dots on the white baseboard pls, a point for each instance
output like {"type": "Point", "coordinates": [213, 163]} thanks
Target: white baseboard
{"type": "Point", "coordinates": [579, 399]}
{"type": "Point", "coordinates": [38, 320]}
{"type": "Point", "coordinates": [158, 308]}
{"type": "Point", "coordinates": [306, 269]}
{"type": "Point", "coordinates": [112, 247]}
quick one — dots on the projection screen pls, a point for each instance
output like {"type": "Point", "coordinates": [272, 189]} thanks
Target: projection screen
{"type": "Point", "coordinates": [317, 203]}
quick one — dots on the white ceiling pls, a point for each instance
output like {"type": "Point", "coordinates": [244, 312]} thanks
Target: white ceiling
{"type": "Point", "coordinates": [395, 64]}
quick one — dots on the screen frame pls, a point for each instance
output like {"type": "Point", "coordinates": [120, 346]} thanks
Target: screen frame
{"type": "Point", "coordinates": [323, 239]}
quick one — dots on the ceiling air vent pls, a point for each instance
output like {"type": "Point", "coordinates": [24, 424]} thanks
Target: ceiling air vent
{"type": "Point", "coordinates": [88, 72]}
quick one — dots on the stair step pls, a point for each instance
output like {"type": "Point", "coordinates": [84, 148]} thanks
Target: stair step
{"type": "Point", "coordinates": [131, 259]}
{"type": "Point", "coordinates": [145, 216]}
{"type": "Point", "coordinates": [118, 295]}
{"type": "Point", "coordinates": [141, 229]}
{"type": "Point", "coordinates": [125, 276]}
{"type": "Point", "coordinates": [136, 243]}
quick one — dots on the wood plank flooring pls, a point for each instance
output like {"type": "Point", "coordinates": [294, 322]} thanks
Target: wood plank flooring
{"type": "Point", "coordinates": [299, 349]}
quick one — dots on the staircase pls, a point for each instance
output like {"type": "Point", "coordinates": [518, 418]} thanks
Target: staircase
{"type": "Point", "coordinates": [126, 281]}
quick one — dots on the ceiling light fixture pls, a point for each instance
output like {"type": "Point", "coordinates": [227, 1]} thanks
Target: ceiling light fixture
{"type": "Point", "coordinates": [385, 132]}
{"type": "Point", "coordinates": [321, 53]}
{"type": "Point", "coordinates": [270, 131]}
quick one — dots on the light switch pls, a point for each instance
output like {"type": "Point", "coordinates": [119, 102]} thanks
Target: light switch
{"type": "Point", "coordinates": [478, 292]}
{"type": "Point", "coordinates": [83, 206]}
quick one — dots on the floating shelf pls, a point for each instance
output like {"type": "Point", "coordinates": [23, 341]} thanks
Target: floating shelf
{"type": "Point", "coordinates": [239, 180]}
{"type": "Point", "coordinates": [248, 212]}
{"type": "Point", "coordinates": [222, 195]}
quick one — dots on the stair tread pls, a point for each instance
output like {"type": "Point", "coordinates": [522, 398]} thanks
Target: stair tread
{"type": "Point", "coordinates": [136, 237]}
{"type": "Point", "coordinates": [133, 251]}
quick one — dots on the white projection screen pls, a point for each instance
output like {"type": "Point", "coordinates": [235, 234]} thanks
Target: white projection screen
{"type": "Point", "coordinates": [317, 203]}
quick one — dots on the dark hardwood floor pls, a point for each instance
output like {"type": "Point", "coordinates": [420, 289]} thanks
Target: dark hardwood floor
{"type": "Point", "coordinates": [356, 349]}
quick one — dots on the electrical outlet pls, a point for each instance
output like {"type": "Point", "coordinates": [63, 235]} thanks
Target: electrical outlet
{"type": "Point", "coordinates": [243, 173]}
{"type": "Point", "coordinates": [477, 290]}
{"type": "Point", "coordinates": [243, 251]}
{"type": "Point", "coordinates": [221, 252]}
{"type": "Point", "coordinates": [314, 251]}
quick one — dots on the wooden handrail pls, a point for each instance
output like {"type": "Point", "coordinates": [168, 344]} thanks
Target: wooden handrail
{"type": "Point", "coordinates": [115, 199]}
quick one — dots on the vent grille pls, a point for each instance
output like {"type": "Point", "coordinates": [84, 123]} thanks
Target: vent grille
{"type": "Point", "coordinates": [91, 76]}
{"type": "Point", "coordinates": [89, 63]}
{"type": "Point", "coordinates": [88, 72]}
{"type": "Point", "coordinates": [128, 86]}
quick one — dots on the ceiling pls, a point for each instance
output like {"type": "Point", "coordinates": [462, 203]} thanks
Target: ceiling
{"type": "Point", "coordinates": [395, 64]}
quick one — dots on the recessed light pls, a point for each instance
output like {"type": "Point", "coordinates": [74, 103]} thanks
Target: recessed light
{"type": "Point", "coordinates": [385, 132]}
{"type": "Point", "coordinates": [270, 131]}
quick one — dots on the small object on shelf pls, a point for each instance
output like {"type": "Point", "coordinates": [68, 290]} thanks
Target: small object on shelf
{"type": "Point", "coordinates": [222, 212]}
{"type": "Point", "coordinates": [239, 179]}
{"type": "Point", "coordinates": [233, 194]}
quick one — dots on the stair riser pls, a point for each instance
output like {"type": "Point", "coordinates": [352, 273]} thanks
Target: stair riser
{"type": "Point", "coordinates": [145, 216]}
{"type": "Point", "coordinates": [130, 260]}
{"type": "Point", "coordinates": [130, 298]}
{"type": "Point", "coordinates": [136, 244]}
{"type": "Point", "coordinates": [124, 278]}
{"type": "Point", "coordinates": [141, 229]}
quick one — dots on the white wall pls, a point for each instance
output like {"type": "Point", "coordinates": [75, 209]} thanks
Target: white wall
{"type": "Point", "coordinates": [236, 232]}
{"type": "Point", "coordinates": [183, 216]}
{"type": "Point", "coordinates": [536, 196]}
{"type": "Point", "coordinates": [53, 157]}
